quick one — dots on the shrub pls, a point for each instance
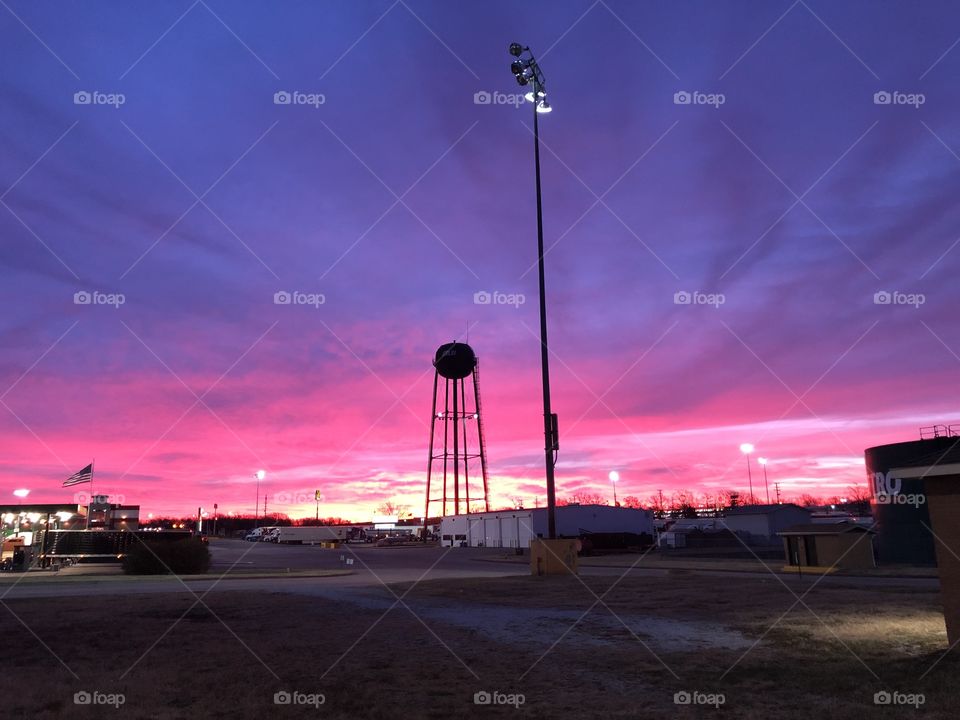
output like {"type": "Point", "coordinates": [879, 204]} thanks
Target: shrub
{"type": "Point", "coordinates": [181, 557]}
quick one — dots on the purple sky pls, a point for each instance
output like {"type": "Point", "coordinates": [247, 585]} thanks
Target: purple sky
{"type": "Point", "coordinates": [787, 187]}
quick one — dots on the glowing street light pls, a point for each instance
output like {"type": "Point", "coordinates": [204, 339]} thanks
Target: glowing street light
{"type": "Point", "coordinates": [21, 493]}
{"type": "Point", "coordinates": [261, 474]}
{"type": "Point", "coordinates": [614, 478]}
{"type": "Point", "coordinates": [746, 449]}
{"type": "Point", "coordinates": [763, 462]}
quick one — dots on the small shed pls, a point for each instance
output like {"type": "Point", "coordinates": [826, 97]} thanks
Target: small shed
{"type": "Point", "coordinates": [844, 546]}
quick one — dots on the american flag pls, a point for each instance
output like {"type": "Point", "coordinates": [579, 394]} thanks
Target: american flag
{"type": "Point", "coordinates": [84, 476]}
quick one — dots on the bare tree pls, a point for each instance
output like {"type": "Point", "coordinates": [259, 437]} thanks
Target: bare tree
{"type": "Point", "coordinates": [728, 498]}
{"type": "Point", "coordinates": [808, 500]}
{"type": "Point", "coordinates": [582, 497]}
{"type": "Point", "coordinates": [391, 508]}
{"type": "Point", "coordinates": [858, 496]}
{"type": "Point", "coordinates": [683, 504]}
{"type": "Point", "coordinates": [658, 505]}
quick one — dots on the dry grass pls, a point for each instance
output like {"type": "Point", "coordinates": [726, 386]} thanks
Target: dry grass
{"type": "Point", "coordinates": [806, 666]}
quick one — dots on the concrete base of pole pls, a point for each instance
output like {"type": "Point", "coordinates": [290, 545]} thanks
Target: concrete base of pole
{"type": "Point", "coordinates": [554, 557]}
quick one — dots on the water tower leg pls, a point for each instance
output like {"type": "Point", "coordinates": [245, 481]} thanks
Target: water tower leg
{"type": "Point", "coordinates": [446, 452]}
{"type": "Point", "coordinates": [456, 452]}
{"type": "Point", "coordinates": [433, 425]}
{"type": "Point", "coordinates": [466, 454]}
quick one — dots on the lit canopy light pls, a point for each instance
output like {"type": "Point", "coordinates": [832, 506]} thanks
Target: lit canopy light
{"type": "Point", "coordinates": [21, 492]}
{"type": "Point", "coordinates": [746, 448]}
{"type": "Point", "coordinates": [526, 71]}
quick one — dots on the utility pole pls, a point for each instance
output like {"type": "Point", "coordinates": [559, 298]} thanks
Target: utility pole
{"type": "Point", "coordinates": [776, 487]}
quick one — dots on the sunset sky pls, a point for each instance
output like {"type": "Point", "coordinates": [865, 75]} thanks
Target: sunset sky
{"type": "Point", "coordinates": [787, 189]}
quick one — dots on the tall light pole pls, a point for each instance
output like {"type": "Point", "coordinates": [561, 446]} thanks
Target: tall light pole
{"type": "Point", "coordinates": [20, 494]}
{"type": "Point", "coordinates": [763, 462]}
{"type": "Point", "coordinates": [256, 513]}
{"type": "Point", "coordinates": [746, 449]}
{"type": "Point", "coordinates": [614, 477]}
{"type": "Point", "coordinates": [526, 71]}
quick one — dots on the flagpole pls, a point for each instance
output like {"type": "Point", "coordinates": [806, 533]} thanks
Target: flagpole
{"type": "Point", "coordinates": [90, 504]}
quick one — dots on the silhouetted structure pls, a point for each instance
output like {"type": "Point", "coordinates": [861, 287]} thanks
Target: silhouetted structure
{"type": "Point", "coordinates": [456, 432]}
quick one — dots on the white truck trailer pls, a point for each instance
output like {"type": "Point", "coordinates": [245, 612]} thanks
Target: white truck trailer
{"type": "Point", "coordinates": [309, 535]}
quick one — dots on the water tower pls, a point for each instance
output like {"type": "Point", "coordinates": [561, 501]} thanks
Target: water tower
{"type": "Point", "coordinates": [456, 434]}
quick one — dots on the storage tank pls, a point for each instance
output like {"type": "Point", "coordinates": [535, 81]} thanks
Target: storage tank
{"type": "Point", "coordinates": [455, 360]}
{"type": "Point", "coordinates": [899, 503]}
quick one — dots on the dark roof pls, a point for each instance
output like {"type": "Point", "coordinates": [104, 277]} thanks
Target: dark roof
{"type": "Point", "coordinates": [824, 529]}
{"type": "Point", "coordinates": [41, 508]}
{"type": "Point", "coordinates": [761, 509]}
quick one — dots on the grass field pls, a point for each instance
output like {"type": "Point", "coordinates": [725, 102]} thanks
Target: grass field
{"type": "Point", "coordinates": [731, 639]}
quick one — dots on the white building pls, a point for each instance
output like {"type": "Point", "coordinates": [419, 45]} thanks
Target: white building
{"type": "Point", "coordinates": [761, 523]}
{"type": "Point", "coordinates": [515, 528]}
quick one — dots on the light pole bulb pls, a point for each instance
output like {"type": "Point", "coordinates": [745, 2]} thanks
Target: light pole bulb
{"type": "Point", "coordinates": [762, 461]}
{"type": "Point", "coordinates": [261, 474]}
{"type": "Point", "coordinates": [746, 448]}
{"type": "Point", "coordinates": [21, 492]}
{"type": "Point", "coordinates": [614, 476]}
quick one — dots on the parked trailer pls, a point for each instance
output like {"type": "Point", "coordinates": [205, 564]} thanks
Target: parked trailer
{"type": "Point", "coordinates": [99, 545]}
{"type": "Point", "coordinates": [310, 535]}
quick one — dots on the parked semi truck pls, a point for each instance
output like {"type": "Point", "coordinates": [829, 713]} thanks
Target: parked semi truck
{"type": "Point", "coordinates": [309, 535]}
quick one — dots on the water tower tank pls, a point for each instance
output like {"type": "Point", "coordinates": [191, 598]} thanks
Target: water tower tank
{"type": "Point", "coordinates": [899, 503]}
{"type": "Point", "coordinates": [455, 361]}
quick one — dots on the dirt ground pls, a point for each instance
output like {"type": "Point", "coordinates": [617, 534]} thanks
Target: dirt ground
{"type": "Point", "coordinates": [733, 646]}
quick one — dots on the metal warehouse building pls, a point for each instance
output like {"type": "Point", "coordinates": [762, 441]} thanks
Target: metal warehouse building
{"type": "Point", "coordinates": [515, 528]}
